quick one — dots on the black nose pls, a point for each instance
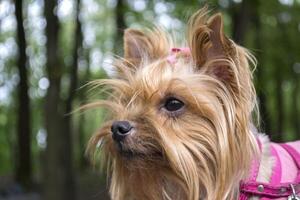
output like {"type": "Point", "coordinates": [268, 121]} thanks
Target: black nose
{"type": "Point", "coordinates": [120, 129]}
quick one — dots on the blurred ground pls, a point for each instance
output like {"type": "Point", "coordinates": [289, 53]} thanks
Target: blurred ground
{"type": "Point", "coordinates": [91, 186]}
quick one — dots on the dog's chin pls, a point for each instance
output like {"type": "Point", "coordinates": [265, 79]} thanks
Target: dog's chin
{"type": "Point", "coordinates": [128, 153]}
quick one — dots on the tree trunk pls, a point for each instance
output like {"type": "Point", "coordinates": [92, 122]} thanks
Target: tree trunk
{"type": "Point", "coordinates": [241, 20]}
{"type": "Point", "coordinates": [74, 66]}
{"type": "Point", "coordinates": [289, 44]}
{"type": "Point", "coordinates": [264, 114]}
{"type": "Point", "coordinates": [296, 106]}
{"type": "Point", "coordinates": [279, 106]}
{"type": "Point", "coordinates": [24, 168]}
{"type": "Point", "coordinates": [73, 81]}
{"type": "Point", "coordinates": [120, 26]}
{"type": "Point", "coordinates": [247, 11]}
{"type": "Point", "coordinates": [82, 119]}
{"type": "Point", "coordinates": [58, 174]}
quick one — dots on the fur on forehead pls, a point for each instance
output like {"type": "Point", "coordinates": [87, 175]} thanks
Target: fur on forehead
{"type": "Point", "coordinates": [212, 54]}
{"type": "Point", "coordinates": [158, 76]}
{"type": "Point", "coordinates": [145, 54]}
{"type": "Point", "coordinates": [205, 38]}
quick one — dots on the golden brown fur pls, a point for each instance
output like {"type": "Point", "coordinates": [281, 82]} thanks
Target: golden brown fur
{"type": "Point", "coordinates": [202, 152]}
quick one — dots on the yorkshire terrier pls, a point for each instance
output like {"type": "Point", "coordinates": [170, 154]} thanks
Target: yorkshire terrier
{"type": "Point", "coordinates": [181, 123]}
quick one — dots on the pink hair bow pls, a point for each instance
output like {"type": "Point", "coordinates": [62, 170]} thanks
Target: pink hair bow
{"type": "Point", "coordinates": [172, 58]}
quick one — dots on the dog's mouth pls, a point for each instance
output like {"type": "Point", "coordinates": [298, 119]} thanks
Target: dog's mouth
{"type": "Point", "coordinates": [129, 153]}
{"type": "Point", "coordinates": [141, 155]}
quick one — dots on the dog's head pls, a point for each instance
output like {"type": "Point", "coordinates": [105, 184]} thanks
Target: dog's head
{"type": "Point", "coordinates": [178, 129]}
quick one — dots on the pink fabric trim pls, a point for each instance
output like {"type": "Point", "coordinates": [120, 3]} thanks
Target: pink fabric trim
{"type": "Point", "coordinates": [276, 175]}
{"type": "Point", "coordinates": [295, 145]}
{"type": "Point", "coordinates": [296, 156]}
{"type": "Point", "coordinates": [293, 152]}
{"type": "Point", "coordinates": [253, 172]}
{"type": "Point", "coordinates": [289, 168]}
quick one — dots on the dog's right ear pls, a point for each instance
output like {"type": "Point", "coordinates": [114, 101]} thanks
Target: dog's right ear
{"type": "Point", "coordinates": [135, 45]}
{"type": "Point", "coordinates": [141, 47]}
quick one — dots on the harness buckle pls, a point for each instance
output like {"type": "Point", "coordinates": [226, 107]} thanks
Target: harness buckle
{"type": "Point", "coordinates": [293, 196]}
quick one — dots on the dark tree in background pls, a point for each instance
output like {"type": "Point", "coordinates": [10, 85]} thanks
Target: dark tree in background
{"type": "Point", "coordinates": [245, 16]}
{"type": "Point", "coordinates": [73, 79]}
{"type": "Point", "coordinates": [296, 104]}
{"type": "Point", "coordinates": [241, 15]}
{"type": "Point", "coordinates": [82, 139]}
{"type": "Point", "coordinates": [74, 65]}
{"type": "Point", "coordinates": [23, 173]}
{"type": "Point", "coordinates": [256, 24]}
{"type": "Point", "coordinates": [59, 179]}
{"type": "Point", "coordinates": [284, 35]}
{"type": "Point", "coordinates": [60, 166]}
{"type": "Point", "coordinates": [120, 25]}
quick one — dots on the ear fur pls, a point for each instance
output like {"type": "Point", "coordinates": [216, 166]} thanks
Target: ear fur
{"type": "Point", "coordinates": [216, 36]}
{"type": "Point", "coordinates": [136, 44]}
{"type": "Point", "coordinates": [140, 46]}
{"type": "Point", "coordinates": [210, 46]}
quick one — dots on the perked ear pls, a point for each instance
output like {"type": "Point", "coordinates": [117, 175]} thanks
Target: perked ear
{"type": "Point", "coordinates": [139, 46]}
{"type": "Point", "coordinates": [209, 44]}
{"type": "Point", "coordinates": [136, 45]}
{"type": "Point", "coordinates": [216, 37]}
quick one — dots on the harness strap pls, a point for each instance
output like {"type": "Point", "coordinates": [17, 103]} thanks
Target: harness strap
{"type": "Point", "coordinates": [253, 173]}
{"type": "Point", "coordinates": [267, 190]}
{"type": "Point", "coordinates": [277, 170]}
{"type": "Point", "coordinates": [274, 189]}
{"type": "Point", "coordinates": [296, 157]}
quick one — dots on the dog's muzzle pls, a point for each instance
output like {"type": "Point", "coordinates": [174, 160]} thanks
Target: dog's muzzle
{"type": "Point", "coordinates": [120, 130]}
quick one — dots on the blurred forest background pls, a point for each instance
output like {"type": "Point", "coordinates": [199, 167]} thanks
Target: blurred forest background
{"type": "Point", "coordinates": [48, 49]}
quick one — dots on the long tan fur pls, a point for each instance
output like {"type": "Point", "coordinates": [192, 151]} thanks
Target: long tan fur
{"type": "Point", "coordinates": [204, 152]}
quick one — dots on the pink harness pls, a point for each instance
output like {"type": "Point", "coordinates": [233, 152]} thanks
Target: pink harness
{"type": "Point", "coordinates": [285, 180]}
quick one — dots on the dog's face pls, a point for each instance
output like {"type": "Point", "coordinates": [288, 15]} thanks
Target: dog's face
{"type": "Point", "coordinates": [178, 129]}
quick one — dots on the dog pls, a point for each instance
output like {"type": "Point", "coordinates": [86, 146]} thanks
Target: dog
{"type": "Point", "coordinates": [181, 123]}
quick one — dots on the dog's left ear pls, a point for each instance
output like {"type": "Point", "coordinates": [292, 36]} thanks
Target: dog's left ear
{"type": "Point", "coordinates": [210, 46]}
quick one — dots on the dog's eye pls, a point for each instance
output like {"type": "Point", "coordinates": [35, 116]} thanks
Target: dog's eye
{"type": "Point", "coordinates": [172, 104]}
